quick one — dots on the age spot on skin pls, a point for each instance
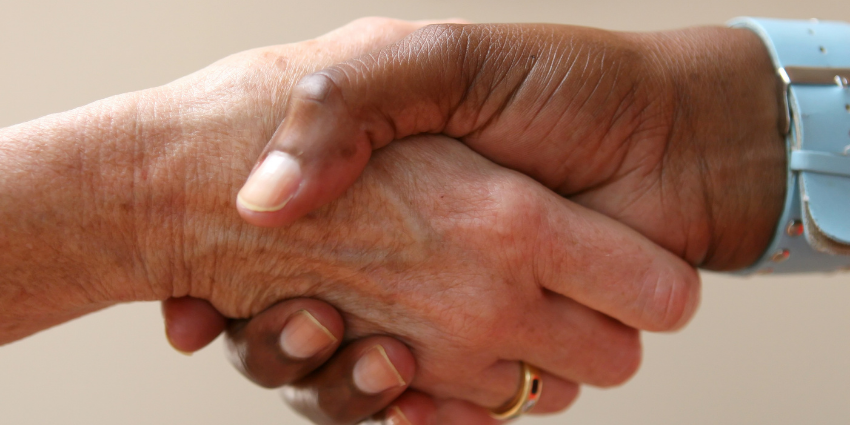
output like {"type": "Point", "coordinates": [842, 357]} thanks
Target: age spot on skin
{"type": "Point", "coordinates": [281, 63]}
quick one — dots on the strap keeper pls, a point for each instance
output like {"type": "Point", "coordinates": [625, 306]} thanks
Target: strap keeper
{"type": "Point", "coordinates": [820, 162]}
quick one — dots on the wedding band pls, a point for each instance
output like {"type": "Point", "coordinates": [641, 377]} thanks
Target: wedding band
{"type": "Point", "coordinates": [525, 399]}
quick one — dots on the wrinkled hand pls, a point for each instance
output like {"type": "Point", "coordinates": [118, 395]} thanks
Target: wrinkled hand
{"type": "Point", "coordinates": [674, 134]}
{"type": "Point", "coordinates": [472, 276]}
{"type": "Point", "coordinates": [472, 266]}
{"type": "Point", "coordinates": [476, 285]}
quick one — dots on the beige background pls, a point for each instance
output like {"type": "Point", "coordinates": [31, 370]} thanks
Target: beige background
{"type": "Point", "coordinates": [761, 351]}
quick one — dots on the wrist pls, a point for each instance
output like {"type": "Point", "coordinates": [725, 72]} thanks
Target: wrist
{"type": "Point", "coordinates": [68, 246]}
{"type": "Point", "coordinates": [725, 133]}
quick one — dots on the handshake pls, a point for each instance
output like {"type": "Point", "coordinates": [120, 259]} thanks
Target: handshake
{"type": "Point", "coordinates": [537, 195]}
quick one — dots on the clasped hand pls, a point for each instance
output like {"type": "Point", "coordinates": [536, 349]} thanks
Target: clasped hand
{"type": "Point", "coordinates": [589, 114]}
{"type": "Point", "coordinates": [572, 181]}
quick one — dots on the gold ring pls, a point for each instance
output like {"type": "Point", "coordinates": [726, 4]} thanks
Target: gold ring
{"type": "Point", "coordinates": [525, 399]}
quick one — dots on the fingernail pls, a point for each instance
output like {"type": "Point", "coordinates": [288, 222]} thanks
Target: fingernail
{"type": "Point", "coordinates": [170, 342]}
{"type": "Point", "coordinates": [303, 336]}
{"type": "Point", "coordinates": [374, 372]}
{"type": "Point", "coordinates": [396, 417]}
{"type": "Point", "coordinates": [272, 184]}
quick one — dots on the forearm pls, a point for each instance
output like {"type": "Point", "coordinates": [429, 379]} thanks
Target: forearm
{"type": "Point", "coordinates": [66, 197]}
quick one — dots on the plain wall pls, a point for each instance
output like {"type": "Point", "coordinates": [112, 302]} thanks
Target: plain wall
{"type": "Point", "coordinates": [760, 351]}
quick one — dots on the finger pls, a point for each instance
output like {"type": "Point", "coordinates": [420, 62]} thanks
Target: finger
{"type": "Point", "coordinates": [506, 378]}
{"type": "Point", "coordinates": [337, 116]}
{"type": "Point", "coordinates": [573, 342]}
{"type": "Point", "coordinates": [495, 386]}
{"type": "Point", "coordinates": [415, 408]}
{"type": "Point", "coordinates": [458, 412]}
{"type": "Point", "coordinates": [557, 395]}
{"type": "Point", "coordinates": [191, 323]}
{"type": "Point", "coordinates": [411, 408]}
{"type": "Point", "coordinates": [285, 342]}
{"type": "Point", "coordinates": [611, 268]}
{"type": "Point", "coordinates": [359, 381]}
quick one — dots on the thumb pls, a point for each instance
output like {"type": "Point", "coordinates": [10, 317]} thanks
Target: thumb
{"type": "Point", "coordinates": [337, 116]}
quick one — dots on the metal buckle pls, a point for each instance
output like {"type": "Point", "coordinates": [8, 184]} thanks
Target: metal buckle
{"type": "Point", "coordinates": [814, 76]}
{"type": "Point", "coordinates": [805, 75]}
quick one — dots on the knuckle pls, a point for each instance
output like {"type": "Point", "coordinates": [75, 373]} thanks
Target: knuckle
{"type": "Point", "coordinates": [316, 87]}
{"type": "Point", "coordinates": [512, 216]}
{"type": "Point", "coordinates": [517, 206]}
{"type": "Point", "coordinates": [502, 203]}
